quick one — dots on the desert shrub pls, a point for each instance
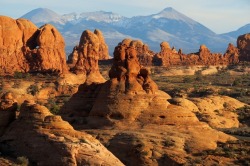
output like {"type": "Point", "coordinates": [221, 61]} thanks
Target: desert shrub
{"type": "Point", "coordinates": [18, 75]}
{"type": "Point", "coordinates": [33, 89]}
{"type": "Point", "coordinates": [201, 92]}
{"type": "Point", "coordinates": [188, 79]}
{"type": "Point", "coordinates": [53, 107]}
{"type": "Point", "coordinates": [23, 161]}
{"type": "Point", "coordinates": [198, 75]}
{"type": "Point", "coordinates": [168, 142]}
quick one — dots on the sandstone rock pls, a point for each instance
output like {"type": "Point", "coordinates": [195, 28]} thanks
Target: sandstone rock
{"type": "Point", "coordinates": [73, 57]}
{"type": "Point", "coordinates": [243, 44]}
{"type": "Point", "coordinates": [170, 57]}
{"type": "Point", "coordinates": [14, 37]}
{"type": "Point", "coordinates": [103, 47]}
{"type": "Point", "coordinates": [88, 56]}
{"type": "Point", "coordinates": [231, 55]}
{"type": "Point", "coordinates": [50, 52]}
{"type": "Point", "coordinates": [25, 48]}
{"type": "Point", "coordinates": [126, 74]}
{"type": "Point", "coordinates": [46, 139]}
{"type": "Point", "coordinates": [167, 56]}
{"type": "Point", "coordinates": [8, 108]}
{"type": "Point", "coordinates": [217, 111]}
{"type": "Point", "coordinates": [144, 54]}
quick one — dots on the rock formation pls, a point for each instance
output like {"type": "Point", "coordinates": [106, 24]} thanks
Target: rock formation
{"type": "Point", "coordinates": [8, 108]}
{"type": "Point", "coordinates": [144, 54]}
{"type": "Point", "coordinates": [142, 120]}
{"type": "Point", "coordinates": [167, 56]}
{"type": "Point", "coordinates": [231, 55]}
{"type": "Point", "coordinates": [127, 74]}
{"type": "Point", "coordinates": [25, 48]}
{"type": "Point", "coordinates": [103, 47]}
{"type": "Point", "coordinates": [243, 44]}
{"type": "Point", "coordinates": [146, 122]}
{"type": "Point", "coordinates": [46, 139]}
{"type": "Point", "coordinates": [85, 56]}
{"type": "Point", "coordinates": [170, 57]}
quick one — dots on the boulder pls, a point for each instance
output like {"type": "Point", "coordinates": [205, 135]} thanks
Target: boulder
{"type": "Point", "coordinates": [46, 139]}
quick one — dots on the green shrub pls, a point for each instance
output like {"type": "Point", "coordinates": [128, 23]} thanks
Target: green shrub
{"type": "Point", "coordinates": [23, 161]}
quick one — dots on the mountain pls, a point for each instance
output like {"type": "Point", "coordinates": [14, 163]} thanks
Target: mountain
{"type": "Point", "coordinates": [168, 25]}
{"type": "Point", "coordinates": [42, 15]}
{"type": "Point", "coordinates": [234, 34]}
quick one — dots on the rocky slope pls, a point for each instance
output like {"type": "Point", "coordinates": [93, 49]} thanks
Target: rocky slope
{"type": "Point", "coordinates": [48, 140]}
{"type": "Point", "coordinates": [145, 126]}
{"type": "Point", "coordinates": [25, 48]}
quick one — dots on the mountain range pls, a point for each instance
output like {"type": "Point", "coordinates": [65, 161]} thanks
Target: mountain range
{"type": "Point", "coordinates": [168, 25]}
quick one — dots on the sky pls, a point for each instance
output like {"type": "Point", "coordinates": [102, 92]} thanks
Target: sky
{"type": "Point", "coordinates": [220, 16]}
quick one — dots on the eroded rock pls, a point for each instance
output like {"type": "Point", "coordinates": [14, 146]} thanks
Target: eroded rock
{"type": "Point", "coordinates": [46, 139]}
{"type": "Point", "coordinates": [25, 48]}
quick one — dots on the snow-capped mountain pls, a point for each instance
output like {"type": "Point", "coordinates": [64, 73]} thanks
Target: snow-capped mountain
{"type": "Point", "coordinates": [168, 25]}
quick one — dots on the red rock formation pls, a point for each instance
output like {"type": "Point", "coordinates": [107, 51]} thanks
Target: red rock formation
{"type": "Point", "coordinates": [46, 139]}
{"type": "Point", "coordinates": [73, 57]}
{"type": "Point", "coordinates": [167, 56]}
{"type": "Point", "coordinates": [170, 57]}
{"type": "Point", "coordinates": [84, 57]}
{"type": "Point", "coordinates": [126, 74]}
{"type": "Point", "coordinates": [103, 47]}
{"type": "Point", "coordinates": [8, 108]}
{"type": "Point", "coordinates": [88, 53]}
{"type": "Point", "coordinates": [26, 48]}
{"type": "Point", "coordinates": [243, 44]}
{"type": "Point", "coordinates": [231, 55]}
{"type": "Point", "coordinates": [144, 54]}
{"type": "Point", "coordinates": [14, 37]}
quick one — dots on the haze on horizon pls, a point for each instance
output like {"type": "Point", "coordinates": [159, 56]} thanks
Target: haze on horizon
{"type": "Point", "coordinates": [220, 16]}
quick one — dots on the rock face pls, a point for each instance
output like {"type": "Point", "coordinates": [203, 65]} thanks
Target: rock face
{"type": "Point", "coordinates": [25, 48]}
{"type": "Point", "coordinates": [127, 74]}
{"type": "Point", "coordinates": [231, 55]}
{"type": "Point", "coordinates": [170, 57]}
{"type": "Point", "coordinates": [46, 139]}
{"type": "Point", "coordinates": [144, 54]}
{"type": "Point", "coordinates": [103, 47]}
{"type": "Point", "coordinates": [49, 54]}
{"type": "Point", "coordinates": [8, 108]}
{"type": "Point", "coordinates": [243, 44]}
{"type": "Point", "coordinates": [85, 56]}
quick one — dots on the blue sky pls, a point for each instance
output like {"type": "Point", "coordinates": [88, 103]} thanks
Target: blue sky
{"type": "Point", "coordinates": [219, 15]}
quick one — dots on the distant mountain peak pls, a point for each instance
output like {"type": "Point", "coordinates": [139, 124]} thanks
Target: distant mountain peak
{"type": "Point", "coordinates": [168, 9]}
{"type": "Point", "coordinates": [171, 13]}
